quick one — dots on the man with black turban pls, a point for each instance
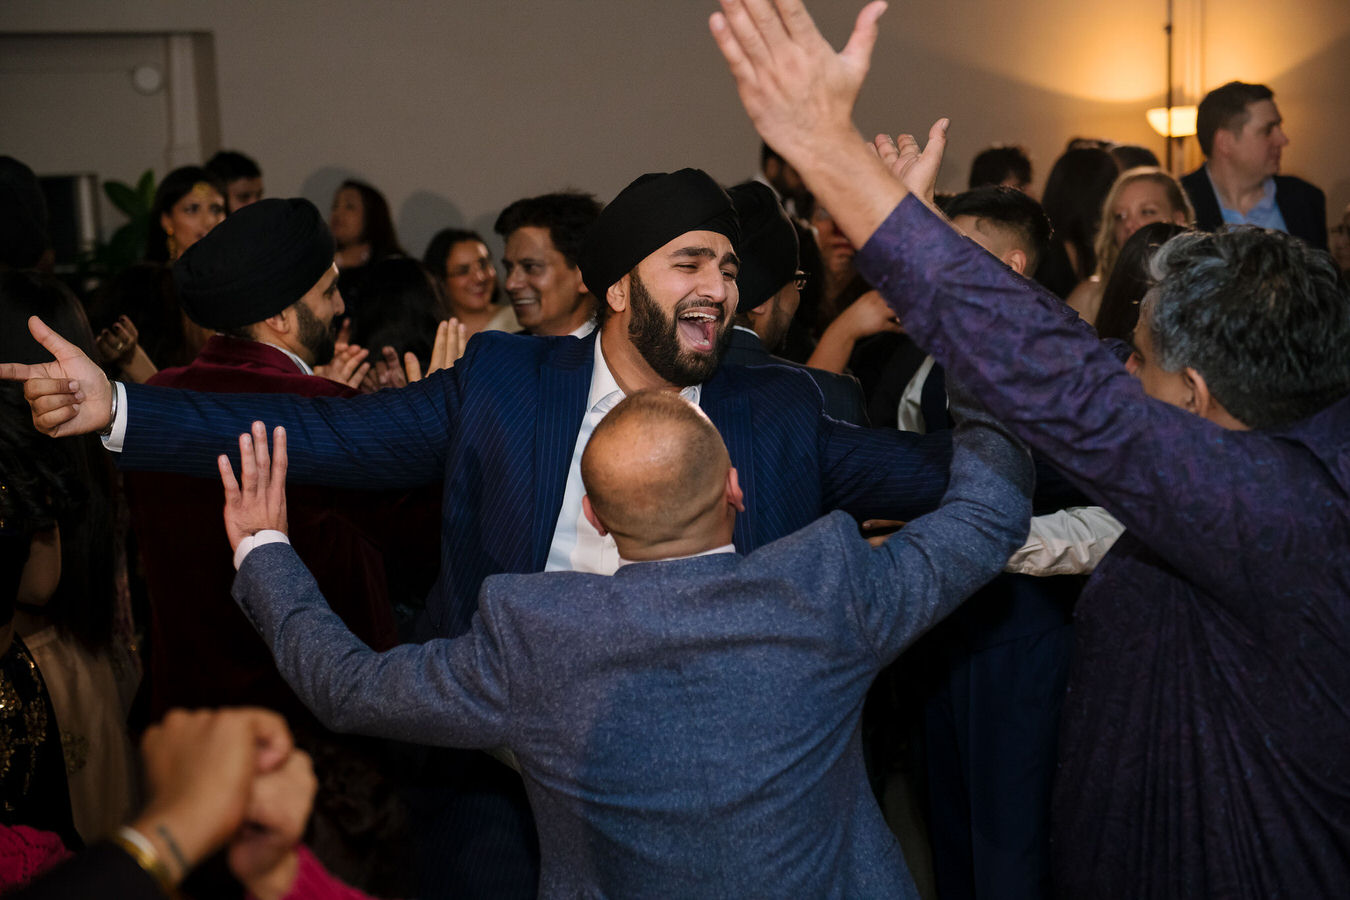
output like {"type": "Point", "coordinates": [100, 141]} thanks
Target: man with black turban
{"type": "Point", "coordinates": [506, 427]}
{"type": "Point", "coordinates": [770, 283]}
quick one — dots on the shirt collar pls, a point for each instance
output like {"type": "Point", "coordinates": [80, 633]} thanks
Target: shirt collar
{"type": "Point", "coordinates": [1267, 200]}
{"type": "Point", "coordinates": [299, 363]}
{"type": "Point", "coordinates": [583, 329]}
{"type": "Point", "coordinates": [725, 548]}
{"type": "Point", "coordinates": [605, 389]}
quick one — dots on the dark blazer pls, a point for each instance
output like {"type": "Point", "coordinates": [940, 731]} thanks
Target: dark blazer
{"type": "Point", "coordinates": [842, 393]}
{"type": "Point", "coordinates": [686, 728]}
{"type": "Point", "coordinates": [1303, 206]}
{"type": "Point", "coordinates": [203, 652]}
{"type": "Point", "coordinates": [499, 428]}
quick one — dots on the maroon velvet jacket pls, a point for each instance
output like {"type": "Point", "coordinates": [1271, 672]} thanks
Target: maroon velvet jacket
{"type": "Point", "coordinates": [203, 651]}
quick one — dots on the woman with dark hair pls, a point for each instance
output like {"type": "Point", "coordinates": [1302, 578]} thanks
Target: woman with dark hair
{"type": "Point", "coordinates": [1074, 191]}
{"type": "Point", "coordinates": [1129, 281]}
{"type": "Point", "coordinates": [364, 233]}
{"type": "Point", "coordinates": [189, 202]}
{"type": "Point", "coordinates": [462, 263]}
{"type": "Point", "coordinates": [141, 327]}
{"type": "Point", "coordinates": [78, 628]}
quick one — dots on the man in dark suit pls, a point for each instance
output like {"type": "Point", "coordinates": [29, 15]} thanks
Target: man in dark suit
{"type": "Point", "coordinates": [646, 709]}
{"type": "Point", "coordinates": [1240, 131]}
{"type": "Point", "coordinates": [770, 289]}
{"type": "Point", "coordinates": [505, 429]}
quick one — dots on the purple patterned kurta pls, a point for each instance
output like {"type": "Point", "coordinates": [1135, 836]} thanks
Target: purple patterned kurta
{"type": "Point", "coordinates": [1205, 738]}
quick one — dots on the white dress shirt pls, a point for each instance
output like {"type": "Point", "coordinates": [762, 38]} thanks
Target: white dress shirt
{"type": "Point", "coordinates": [577, 546]}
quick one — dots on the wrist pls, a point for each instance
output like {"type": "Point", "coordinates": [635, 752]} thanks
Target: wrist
{"type": "Point", "coordinates": [113, 394]}
{"type": "Point", "coordinates": [175, 840]}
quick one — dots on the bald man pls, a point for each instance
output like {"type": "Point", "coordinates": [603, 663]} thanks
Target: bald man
{"type": "Point", "coordinates": [689, 725]}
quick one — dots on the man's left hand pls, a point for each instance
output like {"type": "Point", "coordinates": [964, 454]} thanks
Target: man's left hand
{"type": "Point", "coordinates": [258, 501]}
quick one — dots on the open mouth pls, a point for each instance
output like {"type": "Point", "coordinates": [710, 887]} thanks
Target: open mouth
{"type": "Point", "coordinates": [698, 327]}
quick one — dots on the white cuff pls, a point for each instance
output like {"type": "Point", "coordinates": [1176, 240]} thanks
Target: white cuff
{"type": "Point", "coordinates": [248, 544]}
{"type": "Point", "coordinates": [1068, 542]}
{"type": "Point", "coordinates": [119, 424]}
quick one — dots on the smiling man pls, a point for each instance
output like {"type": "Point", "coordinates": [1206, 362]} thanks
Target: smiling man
{"type": "Point", "coordinates": [543, 237]}
{"type": "Point", "coordinates": [504, 430]}
{"type": "Point", "coordinates": [1242, 135]}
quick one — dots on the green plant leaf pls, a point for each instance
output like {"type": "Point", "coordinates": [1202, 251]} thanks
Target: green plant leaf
{"type": "Point", "coordinates": [123, 197]}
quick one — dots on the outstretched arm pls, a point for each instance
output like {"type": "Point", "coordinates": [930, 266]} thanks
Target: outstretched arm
{"type": "Point", "coordinates": [922, 572]}
{"type": "Point", "coordinates": [451, 693]}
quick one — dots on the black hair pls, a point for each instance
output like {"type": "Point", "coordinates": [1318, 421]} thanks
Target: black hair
{"type": "Point", "coordinates": [1226, 107]}
{"type": "Point", "coordinates": [401, 305]}
{"type": "Point", "coordinates": [1129, 281]}
{"type": "Point", "coordinates": [377, 226]}
{"type": "Point", "coordinates": [567, 215]}
{"type": "Point", "coordinates": [1011, 209]}
{"type": "Point", "coordinates": [993, 165]}
{"type": "Point", "coordinates": [175, 186]}
{"type": "Point", "coordinates": [231, 165]}
{"type": "Point", "coordinates": [24, 236]}
{"type": "Point", "coordinates": [1132, 156]}
{"type": "Point", "coordinates": [1074, 191]}
{"type": "Point", "coordinates": [67, 482]}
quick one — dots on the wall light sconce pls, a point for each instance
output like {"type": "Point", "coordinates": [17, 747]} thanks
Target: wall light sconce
{"type": "Point", "coordinates": [1181, 124]}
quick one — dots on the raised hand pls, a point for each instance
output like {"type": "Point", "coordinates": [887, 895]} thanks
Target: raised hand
{"type": "Point", "coordinates": [916, 169]}
{"type": "Point", "coordinates": [797, 90]}
{"type": "Point", "coordinates": [451, 337]}
{"type": "Point", "coordinates": [70, 394]}
{"type": "Point", "coordinates": [800, 95]}
{"type": "Point", "coordinates": [257, 502]}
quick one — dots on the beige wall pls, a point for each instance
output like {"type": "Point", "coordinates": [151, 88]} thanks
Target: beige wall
{"type": "Point", "coordinates": [455, 109]}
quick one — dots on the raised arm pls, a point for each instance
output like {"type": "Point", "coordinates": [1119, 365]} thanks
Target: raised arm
{"type": "Point", "coordinates": [451, 693]}
{"type": "Point", "coordinates": [922, 572]}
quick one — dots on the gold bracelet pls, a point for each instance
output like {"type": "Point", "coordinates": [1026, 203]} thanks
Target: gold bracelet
{"type": "Point", "coordinates": [139, 848]}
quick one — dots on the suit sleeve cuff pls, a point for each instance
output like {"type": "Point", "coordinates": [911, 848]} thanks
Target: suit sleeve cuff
{"type": "Point", "coordinates": [253, 541]}
{"type": "Point", "coordinates": [119, 423]}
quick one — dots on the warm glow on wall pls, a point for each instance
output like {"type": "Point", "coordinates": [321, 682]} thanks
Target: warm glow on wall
{"type": "Point", "coordinates": [1183, 121]}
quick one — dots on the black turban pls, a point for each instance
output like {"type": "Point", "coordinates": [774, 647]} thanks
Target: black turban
{"type": "Point", "coordinates": [768, 244]}
{"type": "Point", "coordinates": [254, 264]}
{"type": "Point", "coordinates": [648, 214]}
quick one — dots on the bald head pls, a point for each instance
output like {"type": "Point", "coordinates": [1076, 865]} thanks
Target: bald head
{"type": "Point", "coordinates": [659, 479]}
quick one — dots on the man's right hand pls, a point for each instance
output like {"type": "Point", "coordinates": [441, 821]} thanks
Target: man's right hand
{"type": "Point", "coordinates": [69, 395]}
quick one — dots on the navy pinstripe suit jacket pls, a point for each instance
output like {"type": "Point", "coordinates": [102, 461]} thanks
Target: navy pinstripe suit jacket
{"type": "Point", "coordinates": [500, 427]}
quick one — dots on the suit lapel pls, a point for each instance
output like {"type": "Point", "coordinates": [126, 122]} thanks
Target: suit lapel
{"type": "Point", "coordinates": [564, 383]}
{"type": "Point", "coordinates": [729, 409]}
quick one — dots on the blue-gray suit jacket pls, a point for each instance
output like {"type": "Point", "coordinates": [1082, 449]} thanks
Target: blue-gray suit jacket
{"type": "Point", "coordinates": [499, 429]}
{"type": "Point", "coordinates": [685, 728]}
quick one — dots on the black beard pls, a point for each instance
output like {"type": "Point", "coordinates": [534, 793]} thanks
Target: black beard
{"type": "Point", "coordinates": [318, 338]}
{"type": "Point", "coordinates": [657, 339]}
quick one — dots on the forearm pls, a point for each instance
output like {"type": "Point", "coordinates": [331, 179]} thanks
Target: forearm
{"type": "Point", "coordinates": [441, 692]}
{"type": "Point", "coordinates": [930, 566]}
{"type": "Point", "coordinates": [846, 177]}
{"type": "Point", "coordinates": [834, 349]}
{"type": "Point", "coordinates": [378, 442]}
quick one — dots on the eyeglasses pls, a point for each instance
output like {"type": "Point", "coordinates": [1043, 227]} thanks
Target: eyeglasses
{"type": "Point", "coordinates": [800, 280]}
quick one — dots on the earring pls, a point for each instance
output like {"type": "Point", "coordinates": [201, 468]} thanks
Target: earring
{"type": "Point", "coordinates": [172, 245]}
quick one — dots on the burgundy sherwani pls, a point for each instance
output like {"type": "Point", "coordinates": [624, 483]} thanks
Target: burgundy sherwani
{"type": "Point", "coordinates": [203, 651]}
